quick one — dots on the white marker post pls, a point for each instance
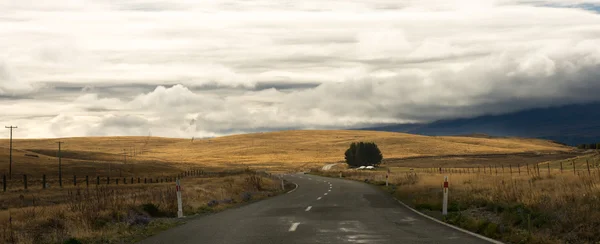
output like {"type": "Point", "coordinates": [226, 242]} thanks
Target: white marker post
{"type": "Point", "coordinates": [282, 185]}
{"type": "Point", "coordinates": [387, 176]}
{"type": "Point", "coordinates": [179, 203]}
{"type": "Point", "coordinates": [445, 203]}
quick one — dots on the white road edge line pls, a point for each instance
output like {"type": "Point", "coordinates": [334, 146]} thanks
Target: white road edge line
{"type": "Point", "coordinates": [319, 198]}
{"type": "Point", "coordinates": [451, 226]}
{"type": "Point", "coordinates": [308, 209]}
{"type": "Point", "coordinates": [294, 226]}
{"type": "Point", "coordinates": [294, 189]}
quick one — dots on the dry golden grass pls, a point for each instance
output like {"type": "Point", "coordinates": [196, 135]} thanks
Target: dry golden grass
{"type": "Point", "coordinates": [275, 150]}
{"type": "Point", "coordinates": [117, 214]}
{"type": "Point", "coordinates": [536, 208]}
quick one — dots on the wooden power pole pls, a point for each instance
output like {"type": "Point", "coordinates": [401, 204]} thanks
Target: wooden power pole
{"type": "Point", "coordinates": [10, 153]}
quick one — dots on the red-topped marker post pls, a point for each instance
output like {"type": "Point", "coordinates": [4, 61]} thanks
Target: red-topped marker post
{"type": "Point", "coordinates": [445, 201]}
{"type": "Point", "coordinates": [179, 202]}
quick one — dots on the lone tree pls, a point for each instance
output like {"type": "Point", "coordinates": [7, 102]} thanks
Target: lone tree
{"type": "Point", "coordinates": [363, 154]}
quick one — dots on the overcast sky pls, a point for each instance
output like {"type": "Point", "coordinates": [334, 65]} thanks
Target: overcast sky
{"type": "Point", "coordinates": [186, 68]}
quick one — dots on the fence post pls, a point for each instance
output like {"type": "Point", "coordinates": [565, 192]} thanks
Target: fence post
{"type": "Point", "coordinates": [496, 167]}
{"type": "Point", "coordinates": [97, 180]}
{"type": "Point", "coordinates": [527, 168]}
{"type": "Point", "coordinates": [117, 181]}
{"type": "Point", "coordinates": [587, 162]}
{"type": "Point", "coordinates": [549, 169]}
{"type": "Point", "coordinates": [4, 182]}
{"type": "Point", "coordinates": [150, 180]}
{"type": "Point", "coordinates": [510, 168]}
{"type": "Point", "coordinates": [138, 180]}
{"type": "Point", "coordinates": [107, 180]}
{"type": "Point", "coordinates": [145, 182]}
{"type": "Point", "coordinates": [74, 180]}
{"type": "Point", "coordinates": [25, 181]}
{"type": "Point", "coordinates": [124, 181]}
{"type": "Point", "coordinates": [43, 181]}
{"type": "Point", "coordinates": [561, 167]}
{"type": "Point", "coordinates": [574, 168]}
{"type": "Point", "coordinates": [87, 181]}
{"type": "Point", "coordinates": [519, 166]}
{"type": "Point", "coordinates": [131, 180]}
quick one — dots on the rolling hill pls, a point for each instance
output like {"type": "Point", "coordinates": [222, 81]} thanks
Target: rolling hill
{"type": "Point", "coordinates": [280, 150]}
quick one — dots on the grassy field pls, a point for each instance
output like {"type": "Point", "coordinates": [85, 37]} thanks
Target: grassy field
{"type": "Point", "coordinates": [285, 150]}
{"type": "Point", "coordinates": [549, 207]}
{"type": "Point", "coordinates": [125, 214]}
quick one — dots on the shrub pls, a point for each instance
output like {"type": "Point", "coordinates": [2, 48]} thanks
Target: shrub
{"type": "Point", "coordinates": [213, 203]}
{"type": "Point", "coordinates": [246, 196]}
{"type": "Point", "coordinates": [72, 241]}
{"type": "Point", "coordinates": [151, 210]}
{"type": "Point", "coordinates": [254, 182]}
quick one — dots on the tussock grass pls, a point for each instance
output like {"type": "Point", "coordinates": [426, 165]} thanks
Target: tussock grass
{"type": "Point", "coordinates": [555, 208]}
{"type": "Point", "coordinates": [115, 214]}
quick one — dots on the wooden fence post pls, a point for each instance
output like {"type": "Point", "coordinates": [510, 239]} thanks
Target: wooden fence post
{"type": "Point", "coordinates": [4, 182]}
{"type": "Point", "coordinates": [138, 180]}
{"type": "Point", "coordinates": [561, 167]}
{"type": "Point", "coordinates": [124, 180]}
{"type": "Point", "coordinates": [131, 180]}
{"type": "Point", "coordinates": [74, 180]}
{"type": "Point", "coordinates": [145, 181]}
{"type": "Point", "coordinates": [519, 166]}
{"type": "Point", "coordinates": [549, 169]}
{"type": "Point", "coordinates": [107, 180]}
{"type": "Point", "coordinates": [574, 173]}
{"type": "Point", "coordinates": [87, 181]}
{"type": "Point", "coordinates": [97, 180]}
{"type": "Point", "coordinates": [117, 181]}
{"type": "Point", "coordinates": [43, 181]}
{"type": "Point", "coordinates": [527, 168]}
{"type": "Point", "coordinates": [25, 181]}
{"type": "Point", "coordinates": [587, 162]}
{"type": "Point", "coordinates": [496, 167]}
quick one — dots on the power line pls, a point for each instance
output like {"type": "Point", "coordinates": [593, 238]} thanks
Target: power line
{"type": "Point", "coordinates": [10, 153]}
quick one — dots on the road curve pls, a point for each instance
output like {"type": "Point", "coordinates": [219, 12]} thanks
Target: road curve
{"type": "Point", "coordinates": [321, 210]}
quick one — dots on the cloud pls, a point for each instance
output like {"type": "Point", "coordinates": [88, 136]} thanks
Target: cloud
{"type": "Point", "coordinates": [207, 68]}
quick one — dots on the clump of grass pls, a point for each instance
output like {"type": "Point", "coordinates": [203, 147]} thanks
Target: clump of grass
{"type": "Point", "coordinates": [108, 214]}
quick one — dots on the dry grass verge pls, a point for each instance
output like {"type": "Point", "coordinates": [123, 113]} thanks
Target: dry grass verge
{"type": "Point", "coordinates": [127, 214]}
{"type": "Point", "coordinates": [556, 208]}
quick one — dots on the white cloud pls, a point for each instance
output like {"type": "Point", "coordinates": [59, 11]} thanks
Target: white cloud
{"type": "Point", "coordinates": [203, 68]}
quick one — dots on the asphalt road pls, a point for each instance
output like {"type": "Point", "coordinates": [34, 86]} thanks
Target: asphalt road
{"type": "Point", "coordinates": [320, 210]}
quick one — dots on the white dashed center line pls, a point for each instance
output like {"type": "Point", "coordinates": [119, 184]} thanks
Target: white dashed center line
{"type": "Point", "coordinates": [294, 226]}
{"type": "Point", "coordinates": [319, 198]}
{"type": "Point", "coordinates": [329, 190]}
{"type": "Point", "coordinates": [326, 194]}
{"type": "Point", "coordinates": [308, 209]}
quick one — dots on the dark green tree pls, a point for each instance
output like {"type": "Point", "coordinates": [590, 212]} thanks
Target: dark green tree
{"type": "Point", "coordinates": [363, 154]}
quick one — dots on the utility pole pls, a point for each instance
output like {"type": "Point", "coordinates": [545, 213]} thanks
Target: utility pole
{"type": "Point", "coordinates": [124, 161]}
{"type": "Point", "coordinates": [10, 157]}
{"type": "Point", "coordinates": [59, 164]}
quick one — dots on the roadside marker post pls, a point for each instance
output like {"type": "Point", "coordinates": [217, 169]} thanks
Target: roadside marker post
{"type": "Point", "coordinates": [179, 203]}
{"type": "Point", "coordinates": [387, 176]}
{"type": "Point", "coordinates": [445, 202]}
{"type": "Point", "coordinates": [282, 184]}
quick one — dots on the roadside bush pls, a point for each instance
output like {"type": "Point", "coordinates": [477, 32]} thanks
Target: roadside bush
{"type": "Point", "coordinates": [151, 209]}
{"type": "Point", "coordinates": [72, 241]}
{"type": "Point", "coordinates": [254, 182]}
{"type": "Point", "coordinates": [246, 196]}
{"type": "Point", "coordinates": [213, 203]}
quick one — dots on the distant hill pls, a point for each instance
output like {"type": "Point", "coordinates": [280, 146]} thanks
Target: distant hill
{"type": "Point", "coordinates": [571, 124]}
